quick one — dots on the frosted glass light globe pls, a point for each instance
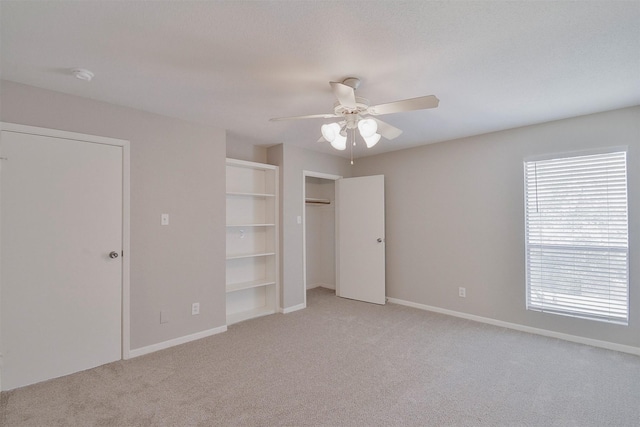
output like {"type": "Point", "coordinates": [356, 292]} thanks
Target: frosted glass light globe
{"type": "Point", "coordinates": [367, 127]}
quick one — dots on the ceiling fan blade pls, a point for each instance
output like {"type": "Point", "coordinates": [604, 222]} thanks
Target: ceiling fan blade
{"type": "Point", "coordinates": [419, 103]}
{"type": "Point", "coordinates": [386, 130]}
{"type": "Point", "coordinates": [345, 94]}
{"type": "Point", "coordinates": [311, 116]}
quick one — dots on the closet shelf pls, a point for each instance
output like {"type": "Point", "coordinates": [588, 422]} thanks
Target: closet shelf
{"type": "Point", "coordinates": [240, 194]}
{"type": "Point", "coordinates": [314, 201]}
{"type": "Point", "coordinates": [260, 254]}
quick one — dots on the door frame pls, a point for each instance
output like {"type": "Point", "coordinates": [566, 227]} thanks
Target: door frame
{"type": "Point", "coordinates": [125, 334]}
{"type": "Point", "coordinates": [312, 174]}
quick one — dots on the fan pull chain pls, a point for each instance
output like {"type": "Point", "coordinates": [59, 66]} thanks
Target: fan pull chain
{"type": "Point", "coordinates": [353, 143]}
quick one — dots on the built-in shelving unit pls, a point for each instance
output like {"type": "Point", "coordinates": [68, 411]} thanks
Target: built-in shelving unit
{"type": "Point", "coordinates": [252, 240]}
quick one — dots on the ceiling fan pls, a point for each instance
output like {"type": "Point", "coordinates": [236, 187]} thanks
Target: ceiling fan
{"type": "Point", "coordinates": [354, 112]}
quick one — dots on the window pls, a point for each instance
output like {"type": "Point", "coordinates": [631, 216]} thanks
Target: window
{"type": "Point", "coordinates": [577, 236]}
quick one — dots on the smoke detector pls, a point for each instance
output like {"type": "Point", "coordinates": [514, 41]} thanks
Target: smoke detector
{"type": "Point", "coordinates": [82, 74]}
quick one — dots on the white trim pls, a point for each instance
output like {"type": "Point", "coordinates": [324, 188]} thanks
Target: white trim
{"type": "Point", "coordinates": [305, 174]}
{"type": "Point", "coordinates": [55, 133]}
{"type": "Point", "coordinates": [126, 250]}
{"type": "Point", "coordinates": [291, 309]}
{"type": "Point", "coordinates": [126, 213]}
{"type": "Point", "coordinates": [576, 153]}
{"type": "Point", "coordinates": [176, 341]}
{"type": "Point", "coordinates": [566, 337]}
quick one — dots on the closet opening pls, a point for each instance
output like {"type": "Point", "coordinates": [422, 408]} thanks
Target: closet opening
{"type": "Point", "coordinates": [319, 231]}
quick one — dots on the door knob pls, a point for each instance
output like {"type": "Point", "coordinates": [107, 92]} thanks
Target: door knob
{"type": "Point", "coordinates": [113, 254]}
{"type": "Point", "coordinates": [379, 239]}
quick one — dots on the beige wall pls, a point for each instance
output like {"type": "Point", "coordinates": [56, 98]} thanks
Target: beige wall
{"type": "Point", "coordinates": [243, 150]}
{"type": "Point", "coordinates": [455, 217]}
{"type": "Point", "coordinates": [177, 168]}
{"type": "Point", "coordinates": [293, 161]}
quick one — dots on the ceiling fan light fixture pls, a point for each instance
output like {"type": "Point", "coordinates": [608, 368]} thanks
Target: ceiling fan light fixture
{"type": "Point", "coordinates": [367, 127]}
{"type": "Point", "coordinates": [351, 111]}
{"type": "Point", "coordinates": [339, 142]}
{"type": "Point", "coordinates": [330, 131]}
{"type": "Point", "coordinates": [371, 140]}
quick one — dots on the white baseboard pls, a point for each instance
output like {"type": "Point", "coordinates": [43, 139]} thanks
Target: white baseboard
{"type": "Point", "coordinates": [567, 337]}
{"type": "Point", "coordinates": [176, 341]}
{"type": "Point", "coordinates": [293, 308]}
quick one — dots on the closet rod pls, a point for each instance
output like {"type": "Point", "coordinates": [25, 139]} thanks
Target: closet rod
{"type": "Point", "coordinates": [317, 201]}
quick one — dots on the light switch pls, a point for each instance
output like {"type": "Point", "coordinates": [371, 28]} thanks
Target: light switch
{"type": "Point", "coordinates": [299, 219]}
{"type": "Point", "coordinates": [164, 219]}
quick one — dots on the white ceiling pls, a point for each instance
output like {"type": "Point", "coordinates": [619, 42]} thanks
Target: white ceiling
{"type": "Point", "coordinates": [235, 64]}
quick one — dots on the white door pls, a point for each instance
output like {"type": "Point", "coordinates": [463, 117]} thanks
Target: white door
{"type": "Point", "coordinates": [360, 251]}
{"type": "Point", "coordinates": [60, 295]}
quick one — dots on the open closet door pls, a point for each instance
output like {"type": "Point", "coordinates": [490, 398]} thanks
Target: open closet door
{"type": "Point", "coordinates": [360, 254]}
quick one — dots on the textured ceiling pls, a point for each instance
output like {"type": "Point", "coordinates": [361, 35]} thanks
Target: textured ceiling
{"type": "Point", "coordinates": [235, 64]}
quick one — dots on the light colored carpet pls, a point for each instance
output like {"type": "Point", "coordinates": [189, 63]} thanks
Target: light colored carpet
{"type": "Point", "coordinates": [347, 363]}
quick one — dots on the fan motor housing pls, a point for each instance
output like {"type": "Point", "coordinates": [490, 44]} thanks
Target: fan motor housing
{"type": "Point", "coordinates": [362, 104]}
{"type": "Point", "coordinates": [352, 82]}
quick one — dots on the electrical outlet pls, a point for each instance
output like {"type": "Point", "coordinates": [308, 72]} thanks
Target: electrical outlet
{"type": "Point", "coordinates": [462, 292]}
{"type": "Point", "coordinates": [195, 308]}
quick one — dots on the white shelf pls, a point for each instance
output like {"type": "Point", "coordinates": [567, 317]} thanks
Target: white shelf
{"type": "Point", "coordinates": [249, 314]}
{"type": "Point", "coordinates": [240, 256]}
{"type": "Point", "coordinates": [251, 225]}
{"type": "Point", "coordinates": [233, 287]}
{"type": "Point", "coordinates": [241, 194]}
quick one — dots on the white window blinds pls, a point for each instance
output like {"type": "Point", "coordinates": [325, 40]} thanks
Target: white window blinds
{"type": "Point", "coordinates": [577, 236]}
